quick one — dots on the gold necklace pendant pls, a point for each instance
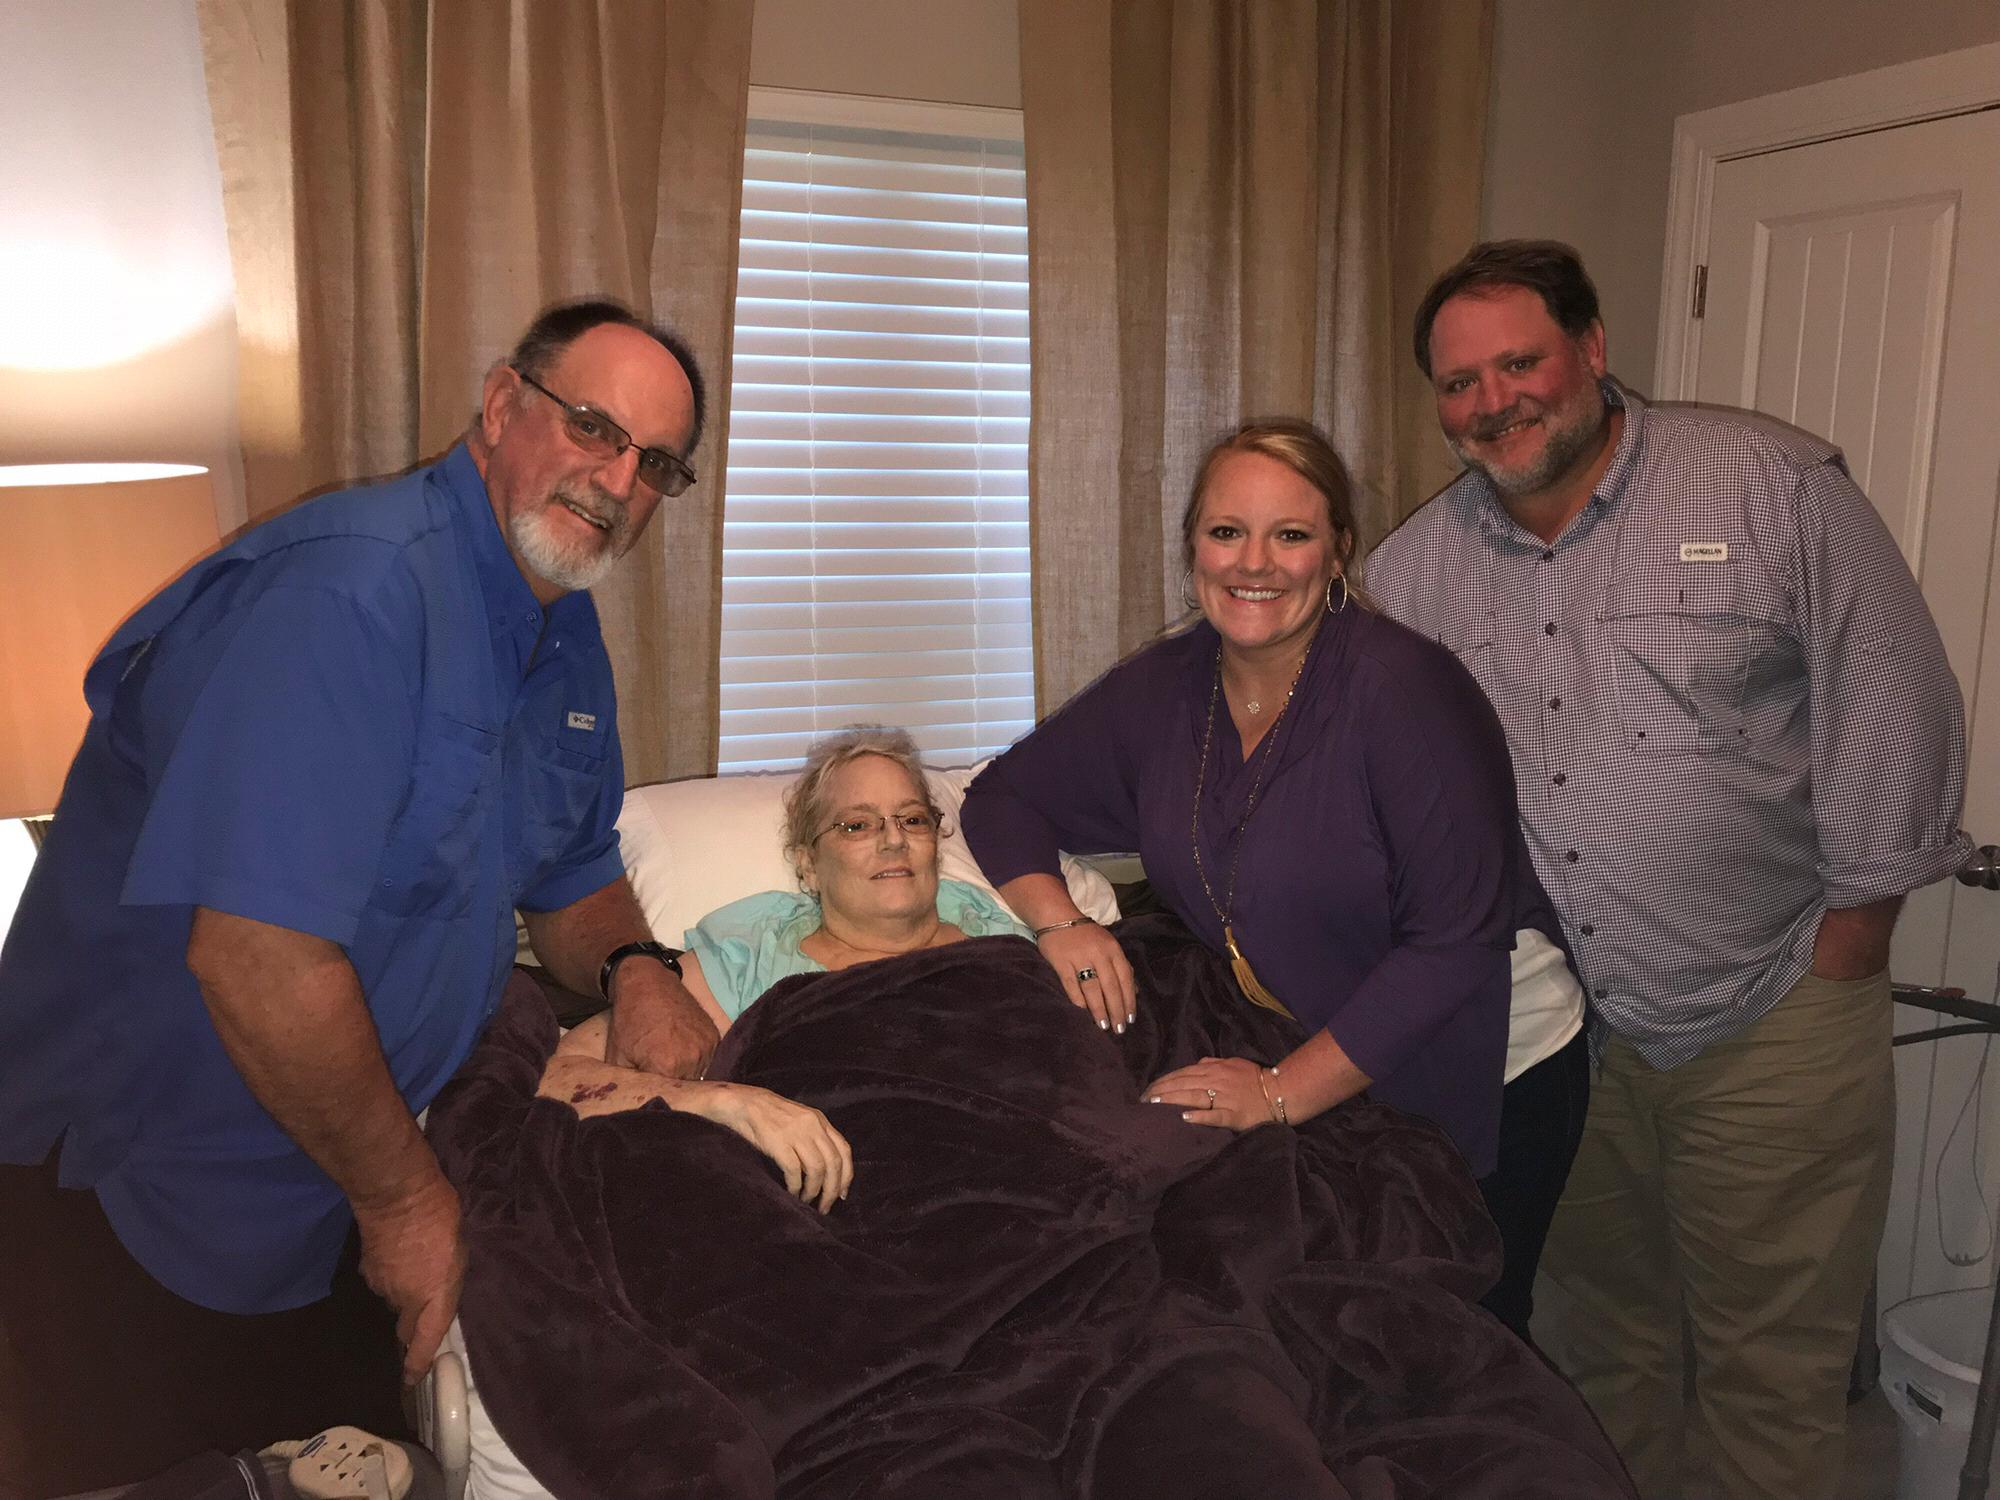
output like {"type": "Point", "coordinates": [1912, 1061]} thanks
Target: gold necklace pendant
{"type": "Point", "coordinates": [1253, 706]}
{"type": "Point", "coordinates": [1246, 978]}
{"type": "Point", "coordinates": [1224, 909]}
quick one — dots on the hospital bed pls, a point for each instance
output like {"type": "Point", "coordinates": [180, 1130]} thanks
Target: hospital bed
{"type": "Point", "coordinates": [689, 847]}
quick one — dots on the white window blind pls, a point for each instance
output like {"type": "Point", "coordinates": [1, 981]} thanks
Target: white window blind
{"type": "Point", "coordinates": [875, 536]}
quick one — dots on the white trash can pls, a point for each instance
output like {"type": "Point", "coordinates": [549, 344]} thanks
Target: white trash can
{"type": "Point", "coordinates": [1930, 1370]}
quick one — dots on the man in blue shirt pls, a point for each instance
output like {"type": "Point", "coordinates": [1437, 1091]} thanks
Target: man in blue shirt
{"type": "Point", "coordinates": [274, 910]}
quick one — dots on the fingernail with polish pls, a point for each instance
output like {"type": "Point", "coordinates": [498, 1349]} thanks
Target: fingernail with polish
{"type": "Point", "coordinates": [1119, 1028]}
{"type": "Point", "coordinates": [1102, 1024]}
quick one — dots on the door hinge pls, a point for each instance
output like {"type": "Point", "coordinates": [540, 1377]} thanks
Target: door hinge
{"type": "Point", "coordinates": [1700, 291]}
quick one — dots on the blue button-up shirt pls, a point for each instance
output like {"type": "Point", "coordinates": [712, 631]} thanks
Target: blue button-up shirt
{"type": "Point", "coordinates": [1728, 707]}
{"type": "Point", "coordinates": [356, 721]}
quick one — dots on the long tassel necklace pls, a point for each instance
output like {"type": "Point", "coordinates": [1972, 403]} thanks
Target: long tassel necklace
{"type": "Point", "coordinates": [1246, 979]}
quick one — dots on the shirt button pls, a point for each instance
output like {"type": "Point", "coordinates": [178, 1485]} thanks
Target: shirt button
{"type": "Point", "coordinates": [1547, 553]}
{"type": "Point", "coordinates": [1559, 778]}
{"type": "Point", "coordinates": [1550, 628]}
{"type": "Point", "coordinates": [1588, 929]}
{"type": "Point", "coordinates": [1601, 993]}
{"type": "Point", "coordinates": [1570, 855]}
{"type": "Point", "coordinates": [1555, 703]}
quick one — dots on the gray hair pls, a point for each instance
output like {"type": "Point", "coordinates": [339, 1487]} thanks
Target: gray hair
{"type": "Point", "coordinates": [805, 803]}
{"type": "Point", "coordinates": [561, 324]}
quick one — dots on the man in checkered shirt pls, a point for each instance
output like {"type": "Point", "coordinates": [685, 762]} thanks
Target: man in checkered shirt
{"type": "Point", "coordinates": [1738, 745]}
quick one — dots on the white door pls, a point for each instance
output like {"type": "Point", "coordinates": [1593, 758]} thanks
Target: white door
{"type": "Point", "coordinates": [1853, 289]}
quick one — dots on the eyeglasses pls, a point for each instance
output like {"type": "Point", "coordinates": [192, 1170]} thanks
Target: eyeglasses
{"type": "Point", "coordinates": [916, 827]}
{"type": "Point", "coordinates": [596, 434]}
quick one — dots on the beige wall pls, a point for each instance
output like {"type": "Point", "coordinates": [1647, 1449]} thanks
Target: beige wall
{"type": "Point", "coordinates": [1585, 93]}
{"type": "Point", "coordinates": [954, 51]}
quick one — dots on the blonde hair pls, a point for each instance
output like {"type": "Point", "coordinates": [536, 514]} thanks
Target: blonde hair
{"type": "Point", "coordinates": [1305, 450]}
{"type": "Point", "coordinates": [805, 803]}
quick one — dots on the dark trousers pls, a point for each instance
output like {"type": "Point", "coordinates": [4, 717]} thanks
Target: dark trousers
{"type": "Point", "coordinates": [1541, 1122]}
{"type": "Point", "coordinates": [106, 1377]}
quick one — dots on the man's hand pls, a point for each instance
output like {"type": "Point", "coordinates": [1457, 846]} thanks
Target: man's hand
{"type": "Point", "coordinates": [413, 1257]}
{"type": "Point", "coordinates": [656, 1025]}
{"type": "Point", "coordinates": [1853, 941]}
{"type": "Point", "coordinates": [289, 1011]}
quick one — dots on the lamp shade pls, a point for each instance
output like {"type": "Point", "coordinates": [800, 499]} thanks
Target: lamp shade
{"type": "Point", "coordinates": [81, 547]}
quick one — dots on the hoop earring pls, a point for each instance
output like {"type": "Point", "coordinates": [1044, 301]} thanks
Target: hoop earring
{"type": "Point", "coordinates": [1188, 600]}
{"type": "Point", "coordinates": [1331, 607]}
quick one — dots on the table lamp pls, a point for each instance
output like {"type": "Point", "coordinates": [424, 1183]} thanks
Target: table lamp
{"type": "Point", "coordinates": [81, 547]}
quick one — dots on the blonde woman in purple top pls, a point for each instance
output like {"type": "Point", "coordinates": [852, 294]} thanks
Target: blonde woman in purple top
{"type": "Point", "coordinates": [1326, 799]}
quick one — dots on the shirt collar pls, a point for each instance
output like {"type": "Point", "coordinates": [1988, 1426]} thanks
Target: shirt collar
{"type": "Point", "coordinates": [511, 606]}
{"type": "Point", "coordinates": [1500, 526]}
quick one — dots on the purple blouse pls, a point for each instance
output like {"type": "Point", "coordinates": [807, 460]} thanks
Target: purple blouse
{"type": "Point", "coordinates": [1380, 879]}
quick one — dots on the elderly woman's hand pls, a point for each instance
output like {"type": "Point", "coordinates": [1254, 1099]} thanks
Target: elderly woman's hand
{"type": "Point", "coordinates": [1217, 1091]}
{"type": "Point", "coordinates": [1094, 972]}
{"type": "Point", "coordinates": [815, 1159]}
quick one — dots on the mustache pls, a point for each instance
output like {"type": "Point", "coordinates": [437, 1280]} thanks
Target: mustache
{"type": "Point", "coordinates": [599, 506]}
{"type": "Point", "coordinates": [1491, 427]}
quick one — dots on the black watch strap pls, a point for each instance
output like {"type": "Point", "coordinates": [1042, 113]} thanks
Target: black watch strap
{"type": "Point", "coordinates": [671, 957]}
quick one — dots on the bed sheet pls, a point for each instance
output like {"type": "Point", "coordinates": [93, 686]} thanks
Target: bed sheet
{"type": "Point", "coordinates": [497, 1472]}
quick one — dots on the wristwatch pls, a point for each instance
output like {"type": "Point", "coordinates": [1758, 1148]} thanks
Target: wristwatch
{"type": "Point", "coordinates": [671, 957]}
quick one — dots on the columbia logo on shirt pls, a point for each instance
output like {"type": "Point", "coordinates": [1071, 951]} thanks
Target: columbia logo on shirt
{"type": "Point", "coordinates": [578, 720]}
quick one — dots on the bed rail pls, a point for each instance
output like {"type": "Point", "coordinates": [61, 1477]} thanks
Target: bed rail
{"type": "Point", "coordinates": [444, 1423]}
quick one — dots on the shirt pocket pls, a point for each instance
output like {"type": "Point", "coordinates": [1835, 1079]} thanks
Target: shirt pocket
{"type": "Point", "coordinates": [430, 865]}
{"type": "Point", "coordinates": [1471, 641]}
{"type": "Point", "coordinates": [1683, 643]}
{"type": "Point", "coordinates": [561, 782]}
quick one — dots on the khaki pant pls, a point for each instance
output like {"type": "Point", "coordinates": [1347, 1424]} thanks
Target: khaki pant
{"type": "Point", "coordinates": [1744, 1192]}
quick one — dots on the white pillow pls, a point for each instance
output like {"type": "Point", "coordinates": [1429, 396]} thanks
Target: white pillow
{"type": "Point", "coordinates": [691, 846]}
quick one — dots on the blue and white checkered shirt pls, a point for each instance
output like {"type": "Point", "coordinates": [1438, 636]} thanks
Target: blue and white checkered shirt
{"type": "Point", "coordinates": [1727, 703]}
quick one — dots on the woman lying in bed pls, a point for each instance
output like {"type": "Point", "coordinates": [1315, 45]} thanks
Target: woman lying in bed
{"type": "Point", "coordinates": [862, 832]}
{"type": "Point", "coordinates": [1045, 1289]}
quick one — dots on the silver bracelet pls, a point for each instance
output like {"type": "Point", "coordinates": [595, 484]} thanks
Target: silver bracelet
{"type": "Point", "coordinates": [1042, 932]}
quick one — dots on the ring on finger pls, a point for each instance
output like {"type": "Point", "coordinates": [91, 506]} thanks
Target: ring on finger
{"type": "Point", "coordinates": [1086, 973]}
{"type": "Point", "coordinates": [1211, 1098]}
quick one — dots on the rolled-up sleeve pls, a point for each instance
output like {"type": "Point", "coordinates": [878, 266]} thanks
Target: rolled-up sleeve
{"type": "Point", "coordinates": [591, 860]}
{"type": "Point", "coordinates": [1441, 785]}
{"type": "Point", "coordinates": [1886, 717]}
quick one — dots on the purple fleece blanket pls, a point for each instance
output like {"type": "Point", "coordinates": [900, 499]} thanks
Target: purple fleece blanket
{"type": "Point", "coordinates": [1038, 1287]}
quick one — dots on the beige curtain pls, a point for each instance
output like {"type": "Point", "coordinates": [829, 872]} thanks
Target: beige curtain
{"type": "Point", "coordinates": [408, 181]}
{"type": "Point", "coordinates": [1233, 209]}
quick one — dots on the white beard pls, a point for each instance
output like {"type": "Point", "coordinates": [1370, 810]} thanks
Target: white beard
{"type": "Point", "coordinates": [571, 563]}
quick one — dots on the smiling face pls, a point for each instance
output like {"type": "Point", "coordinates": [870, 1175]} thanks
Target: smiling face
{"type": "Point", "coordinates": [568, 516]}
{"type": "Point", "coordinates": [884, 876]}
{"type": "Point", "coordinates": [1265, 548]}
{"type": "Point", "coordinates": [1516, 396]}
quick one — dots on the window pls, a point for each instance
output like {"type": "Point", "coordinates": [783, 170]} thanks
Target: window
{"type": "Point", "coordinates": [875, 540]}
